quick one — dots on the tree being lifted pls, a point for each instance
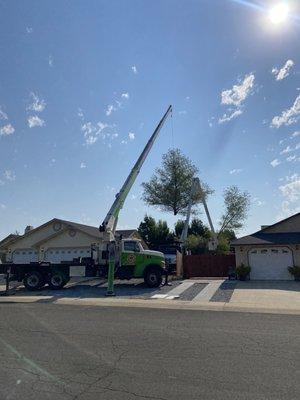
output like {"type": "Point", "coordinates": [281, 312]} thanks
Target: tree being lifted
{"type": "Point", "coordinates": [169, 188]}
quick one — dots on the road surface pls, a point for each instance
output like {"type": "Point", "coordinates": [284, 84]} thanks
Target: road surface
{"type": "Point", "coordinates": [84, 353]}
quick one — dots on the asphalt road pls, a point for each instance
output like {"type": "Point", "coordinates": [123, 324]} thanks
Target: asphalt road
{"type": "Point", "coordinates": [62, 352]}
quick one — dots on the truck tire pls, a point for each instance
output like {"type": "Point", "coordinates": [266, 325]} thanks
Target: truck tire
{"type": "Point", "coordinates": [34, 280]}
{"type": "Point", "coordinates": [58, 280]}
{"type": "Point", "coordinates": [153, 277]}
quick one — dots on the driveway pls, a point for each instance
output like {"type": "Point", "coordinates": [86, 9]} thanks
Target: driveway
{"type": "Point", "coordinates": [266, 294]}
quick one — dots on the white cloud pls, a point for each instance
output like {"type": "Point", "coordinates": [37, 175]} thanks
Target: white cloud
{"type": "Point", "coordinates": [238, 94]}
{"type": "Point", "coordinates": [258, 202]}
{"type": "Point", "coordinates": [182, 112]}
{"type": "Point", "coordinates": [235, 171]}
{"type": "Point", "coordinates": [134, 69]}
{"type": "Point", "coordinates": [29, 29]}
{"type": "Point", "coordinates": [291, 158]}
{"type": "Point", "coordinates": [289, 116]}
{"type": "Point", "coordinates": [82, 165]}
{"type": "Point", "coordinates": [295, 134]}
{"type": "Point", "coordinates": [7, 130]}
{"type": "Point", "coordinates": [3, 115]}
{"type": "Point", "coordinates": [37, 105]}
{"type": "Point", "coordinates": [228, 117]}
{"type": "Point", "coordinates": [80, 114]}
{"type": "Point", "coordinates": [110, 109]}
{"type": "Point", "coordinates": [288, 149]}
{"type": "Point", "coordinates": [125, 95]}
{"type": "Point", "coordinates": [131, 136]}
{"type": "Point", "coordinates": [34, 120]}
{"type": "Point", "coordinates": [2, 206]}
{"type": "Point", "coordinates": [187, 98]}
{"type": "Point", "coordinates": [123, 141]}
{"type": "Point", "coordinates": [50, 60]}
{"type": "Point", "coordinates": [275, 162]}
{"type": "Point", "coordinates": [291, 190]}
{"type": "Point", "coordinates": [9, 175]}
{"type": "Point", "coordinates": [91, 132]}
{"type": "Point", "coordinates": [284, 71]}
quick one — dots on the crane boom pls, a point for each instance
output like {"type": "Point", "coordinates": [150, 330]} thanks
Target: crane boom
{"type": "Point", "coordinates": [110, 221]}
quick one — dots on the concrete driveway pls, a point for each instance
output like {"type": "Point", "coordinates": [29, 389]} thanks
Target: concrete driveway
{"type": "Point", "coordinates": [275, 294]}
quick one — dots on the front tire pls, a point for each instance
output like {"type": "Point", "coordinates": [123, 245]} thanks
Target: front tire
{"type": "Point", "coordinates": [34, 280]}
{"type": "Point", "coordinates": [153, 277]}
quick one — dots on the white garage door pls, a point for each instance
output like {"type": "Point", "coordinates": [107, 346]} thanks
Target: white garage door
{"type": "Point", "coordinates": [270, 263]}
{"type": "Point", "coordinates": [56, 255]}
{"type": "Point", "coordinates": [24, 256]}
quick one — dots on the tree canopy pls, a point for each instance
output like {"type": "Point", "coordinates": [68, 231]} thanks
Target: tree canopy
{"type": "Point", "coordinates": [236, 204]}
{"type": "Point", "coordinates": [169, 188]}
{"type": "Point", "coordinates": [155, 233]}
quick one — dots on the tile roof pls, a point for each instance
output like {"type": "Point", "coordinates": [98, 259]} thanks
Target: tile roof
{"type": "Point", "coordinates": [268, 238]}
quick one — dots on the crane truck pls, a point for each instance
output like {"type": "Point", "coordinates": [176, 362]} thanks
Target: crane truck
{"type": "Point", "coordinates": [112, 255]}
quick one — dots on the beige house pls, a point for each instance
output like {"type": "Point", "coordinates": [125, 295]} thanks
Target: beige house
{"type": "Point", "coordinates": [271, 250]}
{"type": "Point", "coordinates": [49, 241]}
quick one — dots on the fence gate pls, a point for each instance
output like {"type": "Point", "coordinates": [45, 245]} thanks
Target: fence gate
{"type": "Point", "coordinates": [207, 265]}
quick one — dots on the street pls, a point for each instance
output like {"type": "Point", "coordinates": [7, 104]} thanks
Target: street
{"type": "Point", "coordinates": [62, 352]}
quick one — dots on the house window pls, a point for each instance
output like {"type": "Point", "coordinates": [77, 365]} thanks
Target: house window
{"type": "Point", "coordinates": [81, 251]}
{"type": "Point", "coordinates": [274, 251]}
{"type": "Point", "coordinates": [285, 251]}
{"type": "Point", "coordinates": [264, 251]}
{"type": "Point", "coordinates": [69, 251]}
{"type": "Point", "coordinates": [254, 252]}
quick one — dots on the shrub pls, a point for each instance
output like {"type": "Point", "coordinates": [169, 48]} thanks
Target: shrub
{"type": "Point", "coordinates": [243, 271]}
{"type": "Point", "coordinates": [295, 271]}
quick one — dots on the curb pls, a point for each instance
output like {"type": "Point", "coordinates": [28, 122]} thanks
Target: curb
{"type": "Point", "coordinates": [140, 303]}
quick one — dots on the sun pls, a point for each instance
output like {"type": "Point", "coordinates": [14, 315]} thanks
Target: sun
{"type": "Point", "coordinates": [279, 13]}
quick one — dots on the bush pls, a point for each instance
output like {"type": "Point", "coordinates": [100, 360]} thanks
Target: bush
{"type": "Point", "coordinates": [243, 271]}
{"type": "Point", "coordinates": [295, 271]}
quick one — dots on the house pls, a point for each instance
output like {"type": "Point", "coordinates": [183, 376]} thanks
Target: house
{"type": "Point", "coordinates": [48, 241]}
{"type": "Point", "coordinates": [271, 250]}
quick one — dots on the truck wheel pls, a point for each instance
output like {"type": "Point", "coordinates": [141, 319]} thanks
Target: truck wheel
{"type": "Point", "coordinates": [34, 280]}
{"type": "Point", "coordinates": [153, 277]}
{"type": "Point", "coordinates": [57, 280]}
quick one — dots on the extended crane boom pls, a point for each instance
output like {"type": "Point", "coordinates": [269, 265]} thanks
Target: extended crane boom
{"type": "Point", "coordinates": [110, 221]}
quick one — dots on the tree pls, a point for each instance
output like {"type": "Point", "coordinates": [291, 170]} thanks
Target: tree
{"type": "Point", "coordinates": [155, 233]}
{"type": "Point", "coordinates": [237, 205]}
{"type": "Point", "coordinates": [196, 228]}
{"type": "Point", "coordinates": [196, 244]}
{"type": "Point", "coordinates": [169, 188]}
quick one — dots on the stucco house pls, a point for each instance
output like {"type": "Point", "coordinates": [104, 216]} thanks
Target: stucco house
{"type": "Point", "coordinates": [48, 241]}
{"type": "Point", "coordinates": [271, 250]}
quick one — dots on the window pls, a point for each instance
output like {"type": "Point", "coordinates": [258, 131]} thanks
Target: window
{"type": "Point", "coordinates": [264, 251]}
{"type": "Point", "coordinates": [131, 246]}
{"type": "Point", "coordinates": [81, 251]}
{"type": "Point", "coordinates": [57, 252]}
{"type": "Point", "coordinates": [285, 251]}
{"type": "Point", "coordinates": [274, 251]}
{"type": "Point", "coordinates": [254, 252]}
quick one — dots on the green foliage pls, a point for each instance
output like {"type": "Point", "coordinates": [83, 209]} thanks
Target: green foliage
{"type": "Point", "coordinates": [196, 227]}
{"type": "Point", "coordinates": [155, 233]}
{"type": "Point", "coordinates": [295, 271]}
{"type": "Point", "coordinates": [169, 188]}
{"type": "Point", "coordinates": [196, 244]}
{"type": "Point", "coordinates": [223, 246]}
{"type": "Point", "coordinates": [243, 271]}
{"type": "Point", "coordinates": [236, 209]}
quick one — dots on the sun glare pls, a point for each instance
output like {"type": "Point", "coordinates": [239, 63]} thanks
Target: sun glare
{"type": "Point", "coordinates": [279, 13]}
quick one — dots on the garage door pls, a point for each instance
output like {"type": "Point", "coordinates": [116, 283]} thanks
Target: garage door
{"type": "Point", "coordinates": [270, 263]}
{"type": "Point", "coordinates": [24, 256]}
{"type": "Point", "coordinates": [56, 255]}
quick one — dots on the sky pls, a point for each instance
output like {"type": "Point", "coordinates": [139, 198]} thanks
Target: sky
{"type": "Point", "coordinates": [84, 83]}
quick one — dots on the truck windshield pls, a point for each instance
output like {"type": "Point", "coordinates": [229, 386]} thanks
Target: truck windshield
{"type": "Point", "coordinates": [131, 246]}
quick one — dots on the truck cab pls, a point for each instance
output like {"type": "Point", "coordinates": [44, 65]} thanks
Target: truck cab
{"type": "Point", "coordinates": [136, 262]}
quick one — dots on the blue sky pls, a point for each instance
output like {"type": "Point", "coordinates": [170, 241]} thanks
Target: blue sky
{"type": "Point", "coordinates": [83, 84]}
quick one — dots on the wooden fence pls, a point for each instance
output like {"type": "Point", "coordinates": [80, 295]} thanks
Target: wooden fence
{"type": "Point", "coordinates": [207, 265]}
